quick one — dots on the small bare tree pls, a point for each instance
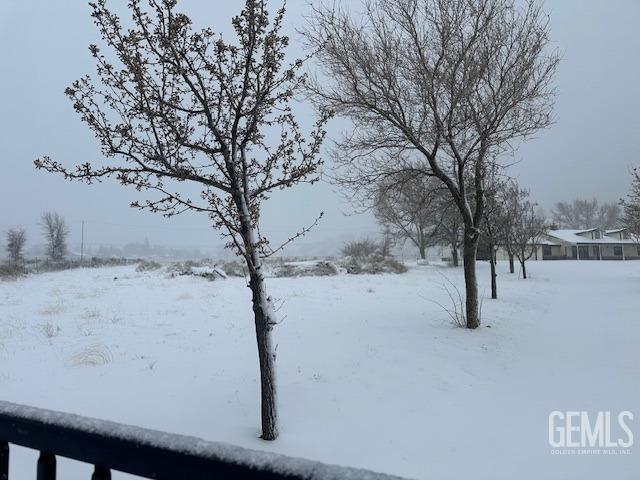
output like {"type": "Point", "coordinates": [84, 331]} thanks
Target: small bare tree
{"type": "Point", "coordinates": [509, 196]}
{"type": "Point", "coordinates": [450, 230]}
{"type": "Point", "coordinates": [436, 87]}
{"type": "Point", "coordinates": [526, 229]}
{"type": "Point", "coordinates": [182, 105]}
{"type": "Point", "coordinates": [631, 206]}
{"type": "Point", "coordinates": [495, 223]}
{"type": "Point", "coordinates": [508, 242]}
{"type": "Point", "coordinates": [360, 248]}
{"type": "Point", "coordinates": [387, 243]}
{"type": "Point", "coordinates": [407, 204]}
{"type": "Point", "coordinates": [16, 240]}
{"type": "Point", "coordinates": [56, 231]}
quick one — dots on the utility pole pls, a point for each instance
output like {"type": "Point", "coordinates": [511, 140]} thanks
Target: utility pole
{"type": "Point", "coordinates": [82, 244]}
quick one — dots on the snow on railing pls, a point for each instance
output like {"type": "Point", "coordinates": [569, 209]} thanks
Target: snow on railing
{"type": "Point", "coordinates": [146, 453]}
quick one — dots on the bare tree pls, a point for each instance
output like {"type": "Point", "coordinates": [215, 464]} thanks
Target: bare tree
{"type": "Point", "coordinates": [16, 240]}
{"type": "Point", "coordinates": [495, 224]}
{"type": "Point", "coordinates": [387, 243]}
{"type": "Point", "coordinates": [586, 214]}
{"type": "Point", "coordinates": [183, 105]}
{"type": "Point", "coordinates": [407, 205]}
{"type": "Point", "coordinates": [631, 206]}
{"type": "Point", "coordinates": [450, 230]}
{"type": "Point", "coordinates": [435, 87]}
{"type": "Point", "coordinates": [56, 231]}
{"type": "Point", "coordinates": [509, 196]}
{"type": "Point", "coordinates": [527, 228]}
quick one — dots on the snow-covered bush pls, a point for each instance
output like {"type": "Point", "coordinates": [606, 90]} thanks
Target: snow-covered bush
{"type": "Point", "coordinates": [205, 269]}
{"type": "Point", "coordinates": [210, 272]}
{"type": "Point", "coordinates": [373, 264]}
{"type": "Point", "coordinates": [305, 269]}
{"type": "Point", "coordinates": [183, 268]}
{"type": "Point", "coordinates": [233, 269]}
{"type": "Point", "coordinates": [147, 266]}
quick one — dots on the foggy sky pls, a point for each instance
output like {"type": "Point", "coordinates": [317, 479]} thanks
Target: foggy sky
{"type": "Point", "coordinates": [43, 46]}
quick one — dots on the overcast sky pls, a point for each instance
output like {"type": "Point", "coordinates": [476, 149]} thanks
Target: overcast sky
{"type": "Point", "coordinates": [43, 46]}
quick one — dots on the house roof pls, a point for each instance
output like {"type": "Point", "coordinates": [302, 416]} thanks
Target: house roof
{"type": "Point", "coordinates": [615, 230]}
{"type": "Point", "coordinates": [572, 236]}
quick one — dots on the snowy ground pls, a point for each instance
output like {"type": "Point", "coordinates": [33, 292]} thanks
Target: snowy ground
{"type": "Point", "coordinates": [371, 372]}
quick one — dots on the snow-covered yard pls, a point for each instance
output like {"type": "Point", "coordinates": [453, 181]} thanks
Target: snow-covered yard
{"type": "Point", "coordinates": [371, 371]}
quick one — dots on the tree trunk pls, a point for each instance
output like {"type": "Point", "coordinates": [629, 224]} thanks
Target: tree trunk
{"type": "Point", "coordinates": [494, 285]}
{"type": "Point", "coordinates": [264, 318]}
{"type": "Point", "coordinates": [423, 252]}
{"type": "Point", "coordinates": [524, 269]}
{"type": "Point", "coordinates": [454, 256]}
{"type": "Point", "coordinates": [264, 321]}
{"type": "Point", "coordinates": [470, 248]}
{"type": "Point", "coordinates": [512, 267]}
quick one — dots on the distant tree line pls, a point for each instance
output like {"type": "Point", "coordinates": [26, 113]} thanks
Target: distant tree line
{"type": "Point", "coordinates": [579, 214]}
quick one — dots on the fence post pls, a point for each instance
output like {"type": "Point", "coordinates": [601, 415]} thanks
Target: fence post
{"type": "Point", "coordinates": [46, 466]}
{"type": "Point", "coordinates": [4, 461]}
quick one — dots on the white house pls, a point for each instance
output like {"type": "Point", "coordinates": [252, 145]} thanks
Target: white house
{"type": "Point", "coordinates": [589, 244]}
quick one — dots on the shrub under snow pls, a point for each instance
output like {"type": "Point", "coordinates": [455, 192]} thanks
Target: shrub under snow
{"type": "Point", "coordinates": [373, 264]}
{"type": "Point", "coordinates": [305, 269]}
{"type": "Point", "coordinates": [147, 266]}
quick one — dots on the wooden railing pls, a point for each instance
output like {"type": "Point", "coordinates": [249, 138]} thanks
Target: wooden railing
{"type": "Point", "coordinates": [146, 453]}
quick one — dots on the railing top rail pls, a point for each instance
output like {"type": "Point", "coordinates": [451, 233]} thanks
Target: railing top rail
{"type": "Point", "coordinates": [154, 454]}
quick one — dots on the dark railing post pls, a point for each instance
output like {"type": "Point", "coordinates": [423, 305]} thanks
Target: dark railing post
{"type": "Point", "coordinates": [101, 473]}
{"type": "Point", "coordinates": [46, 466]}
{"type": "Point", "coordinates": [4, 460]}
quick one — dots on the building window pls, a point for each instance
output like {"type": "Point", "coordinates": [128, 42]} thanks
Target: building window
{"type": "Point", "coordinates": [546, 250]}
{"type": "Point", "coordinates": [617, 251]}
{"type": "Point", "coordinates": [597, 235]}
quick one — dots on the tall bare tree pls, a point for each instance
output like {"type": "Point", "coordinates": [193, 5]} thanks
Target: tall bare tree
{"type": "Point", "coordinates": [180, 105]}
{"type": "Point", "coordinates": [16, 240]}
{"type": "Point", "coordinates": [586, 214]}
{"type": "Point", "coordinates": [436, 87]}
{"type": "Point", "coordinates": [56, 231]}
{"type": "Point", "coordinates": [631, 206]}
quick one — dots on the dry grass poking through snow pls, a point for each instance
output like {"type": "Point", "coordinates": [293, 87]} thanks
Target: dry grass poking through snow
{"type": "Point", "coordinates": [91, 356]}
{"type": "Point", "coordinates": [53, 309]}
{"type": "Point", "coordinates": [50, 330]}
